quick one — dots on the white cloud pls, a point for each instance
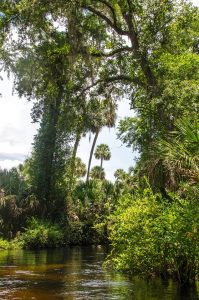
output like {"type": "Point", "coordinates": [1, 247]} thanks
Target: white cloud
{"type": "Point", "coordinates": [8, 164]}
{"type": "Point", "coordinates": [16, 129]}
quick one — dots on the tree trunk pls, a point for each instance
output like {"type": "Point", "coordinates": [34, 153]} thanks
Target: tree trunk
{"type": "Point", "coordinates": [101, 167]}
{"type": "Point", "coordinates": [140, 55]}
{"type": "Point", "coordinates": [91, 154]}
{"type": "Point", "coordinates": [72, 166]}
{"type": "Point", "coordinates": [47, 141]}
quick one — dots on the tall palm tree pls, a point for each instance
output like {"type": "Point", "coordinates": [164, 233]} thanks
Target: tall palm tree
{"type": "Point", "coordinates": [103, 153]}
{"type": "Point", "coordinates": [102, 113]}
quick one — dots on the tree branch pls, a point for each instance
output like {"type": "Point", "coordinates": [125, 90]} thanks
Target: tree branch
{"type": "Point", "coordinates": [132, 33]}
{"type": "Point", "coordinates": [110, 8]}
{"type": "Point", "coordinates": [113, 79]}
{"type": "Point", "coordinates": [130, 6]}
{"type": "Point", "coordinates": [136, 47]}
{"type": "Point", "coordinates": [107, 20]}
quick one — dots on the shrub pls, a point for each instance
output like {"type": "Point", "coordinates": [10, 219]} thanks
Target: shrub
{"type": "Point", "coordinates": [13, 244]}
{"type": "Point", "coordinates": [93, 202]}
{"type": "Point", "coordinates": [4, 244]}
{"type": "Point", "coordinates": [40, 234]}
{"type": "Point", "coordinates": [150, 236]}
{"type": "Point", "coordinates": [75, 232]}
{"type": "Point", "coordinates": [83, 233]}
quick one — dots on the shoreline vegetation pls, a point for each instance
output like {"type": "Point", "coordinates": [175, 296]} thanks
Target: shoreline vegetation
{"type": "Point", "coordinates": [75, 60]}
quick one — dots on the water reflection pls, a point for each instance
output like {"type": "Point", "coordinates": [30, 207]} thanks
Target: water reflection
{"type": "Point", "coordinates": [76, 273]}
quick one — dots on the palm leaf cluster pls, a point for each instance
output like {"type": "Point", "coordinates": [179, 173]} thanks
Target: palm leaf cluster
{"type": "Point", "coordinates": [180, 152]}
{"type": "Point", "coordinates": [97, 173]}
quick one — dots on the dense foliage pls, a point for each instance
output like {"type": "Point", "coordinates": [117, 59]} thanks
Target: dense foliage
{"type": "Point", "coordinates": [40, 234]}
{"type": "Point", "coordinates": [75, 60]}
{"type": "Point", "coordinates": [151, 236]}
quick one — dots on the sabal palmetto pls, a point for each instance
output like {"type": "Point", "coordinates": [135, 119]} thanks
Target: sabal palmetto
{"type": "Point", "coordinates": [120, 175]}
{"type": "Point", "coordinates": [102, 113]}
{"type": "Point", "coordinates": [97, 173]}
{"type": "Point", "coordinates": [80, 167]}
{"type": "Point", "coordinates": [180, 154]}
{"type": "Point", "coordinates": [79, 171]}
{"type": "Point", "coordinates": [103, 153]}
{"type": "Point", "coordinates": [125, 182]}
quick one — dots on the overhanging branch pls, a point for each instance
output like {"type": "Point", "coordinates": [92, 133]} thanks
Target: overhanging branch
{"type": "Point", "coordinates": [124, 78]}
{"type": "Point", "coordinates": [110, 8]}
{"type": "Point", "coordinates": [107, 20]}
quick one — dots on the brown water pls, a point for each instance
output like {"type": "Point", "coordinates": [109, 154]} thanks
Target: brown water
{"type": "Point", "coordinates": [75, 273]}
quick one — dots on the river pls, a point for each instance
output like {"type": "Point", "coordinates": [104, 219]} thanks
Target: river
{"type": "Point", "coordinates": [76, 274]}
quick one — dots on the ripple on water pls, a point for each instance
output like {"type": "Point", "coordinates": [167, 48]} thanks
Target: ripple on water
{"type": "Point", "coordinates": [11, 282]}
{"type": "Point", "coordinates": [98, 283]}
{"type": "Point", "coordinates": [22, 272]}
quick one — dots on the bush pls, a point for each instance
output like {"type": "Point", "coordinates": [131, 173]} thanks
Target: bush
{"type": "Point", "coordinates": [40, 234]}
{"type": "Point", "coordinates": [150, 236]}
{"type": "Point", "coordinates": [83, 233]}
{"type": "Point", "coordinates": [93, 202]}
{"type": "Point", "coordinates": [4, 245]}
{"type": "Point", "coordinates": [14, 244]}
{"type": "Point", "coordinates": [75, 232]}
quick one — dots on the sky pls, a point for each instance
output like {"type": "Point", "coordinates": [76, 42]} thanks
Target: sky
{"type": "Point", "coordinates": [16, 129]}
{"type": "Point", "coordinates": [121, 156]}
{"type": "Point", "coordinates": [17, 132]}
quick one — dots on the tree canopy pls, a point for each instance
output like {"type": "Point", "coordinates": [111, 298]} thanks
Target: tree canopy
{"type": "Point", "coordinates": [76, 60]}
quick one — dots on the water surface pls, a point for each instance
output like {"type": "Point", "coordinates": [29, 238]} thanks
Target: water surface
{"type": "Point", "coordinates": [76, 274]}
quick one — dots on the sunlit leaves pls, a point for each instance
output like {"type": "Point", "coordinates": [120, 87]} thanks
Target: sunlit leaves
{"type": "Point", "coordinates": [151, 237]}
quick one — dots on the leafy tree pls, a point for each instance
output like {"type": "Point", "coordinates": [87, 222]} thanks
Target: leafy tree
{"type": "Point", "coordinates": [120, 175]}
{"type": "Point", "coordinates": [43, 73]}
{"type": "Point", "coordinates": [152, 37]}
{"type": "Point", "coordinates": [16, 201]}
{"type": "Point", "coordinates": [50, 144]}
{"type": "Point", "coordinates": [102, 50]}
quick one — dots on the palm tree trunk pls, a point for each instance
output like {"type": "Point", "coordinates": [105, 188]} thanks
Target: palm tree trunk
{"type": "Point", "coordinates": [91, 154]}
{"type": "Point", "coordinates": [101, 167]}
